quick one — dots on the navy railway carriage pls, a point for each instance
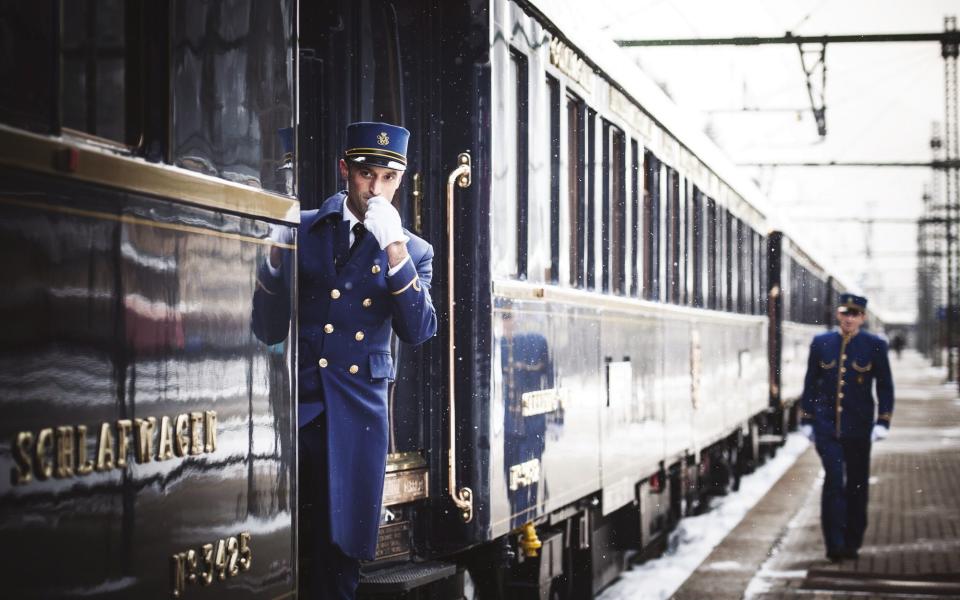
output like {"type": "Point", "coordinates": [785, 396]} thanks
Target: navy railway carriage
{"type": "Point", "coordinates": [622, 329]}
{"type": "Point", "coordinates": [614, 302]}
{"type": "Point", "coordinates": [147, 438]}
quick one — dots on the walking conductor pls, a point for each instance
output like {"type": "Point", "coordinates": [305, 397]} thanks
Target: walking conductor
{"type": "Point", "coordinates": [838, 415]}
{"type": "Point", "coordinates": [361, 275]}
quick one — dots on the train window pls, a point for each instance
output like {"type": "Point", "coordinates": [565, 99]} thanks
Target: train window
{"type": "Point", "coordinates": [651, 226]}
{"type": "Point", "coordinates": [713, 254]}
{"type": "Point", "coordinates": [576, 187]}
{"type": "Point", "coordinates": [728, 259]}
{"type": "Point", "coordinates": [519, 72]}
{"type": "Point", "coordinates": [753, 271]}
{"type": "Point", "coordinates": [618, 238]}
{"type": "Point", "coordinates": [232, 89]}
{"type": "Point", "coordinates": [591, 177]}
{"type": "Point", "coordinates": [673, 238]}
{"type": "Point", "coordinates": [553, 86]}
{"type": "Point", "coordinates": [605, 210]}
{"type": "Point", "coordinates": [634, 217]}
{"type": "Point", "coordinates": [697, 234]}
{"type": "Point", "coordinates": [741, 267]}
{"type": "Point", "coordinates": [26, 60]}
{"type": "Point", "coordinates": [613, 237]}
{"type": "Point", "coordinates": [762, 275]}
{"type": "Point", "coordinates": [506, 171]}
{"type": "Point", "coordinates": [99, 69]}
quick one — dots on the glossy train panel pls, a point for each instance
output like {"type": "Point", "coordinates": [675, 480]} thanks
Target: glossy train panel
{"type": "Point", "coordinates": [147, 438]}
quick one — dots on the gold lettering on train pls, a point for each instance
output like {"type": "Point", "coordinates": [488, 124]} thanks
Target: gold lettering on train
{"type": "Point", "coordinates": [214, 562]}
{"type": "Point", "coordinates": [569, 62]}
{"type": "Point", "coordinates": [21, 469]}
{"type": "Point", "coordinates": [144, 440]}
{"type": "Point", "coordinates": [524, 474]}
{"type": "Point", "coordinates": [43, 459]}
{"type": "Point", "coordinates": [105, 448]}
{"type": "Point", "coordinates": [62, 451]}
{"type": "Point", "coordinates": [540, 402]}
{"type": "Point", "coordinates": [84, 466]}
{"type": "Point", "coordinates": [65, 452]}
{"type": "Point", "coordinates": [166, 440]}
{"type": "Point", "coordinates": [210, 431]}
{"type": "Point", "coordinates": [196, 442]}
{"type": "Point", "coordinates": [124, 426]}
{"type": "Point", "coordinates": [182, 435]}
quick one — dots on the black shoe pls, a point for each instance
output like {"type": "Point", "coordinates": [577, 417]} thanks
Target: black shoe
{"type": "Point", "coordinates": [850, 553]}
{"type": "Point", "coordinates": [836, 556]}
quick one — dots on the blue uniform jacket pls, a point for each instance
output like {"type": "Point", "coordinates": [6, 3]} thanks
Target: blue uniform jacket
{"type": "Point", "coordinates": [344, 360]}
{"type": "Point", "coordinates": [838, 389]}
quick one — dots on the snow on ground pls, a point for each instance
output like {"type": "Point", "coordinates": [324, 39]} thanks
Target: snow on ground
{"type": "Point", "coordinates": [695, 537]}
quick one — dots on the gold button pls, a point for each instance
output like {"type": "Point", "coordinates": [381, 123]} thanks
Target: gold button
{"type": "Point", "coordinates": [367, 302]}
{"type": "Point", "coordinates": [334, 293]}
{"type": "Point", "coordinates": [843, 357]}
{"type": "Point", "coordinates": [328, 328]}
{"type": "Point", "coordinates": [359, 336]}
{"type": "Point", "coordinates": [839, 409]}
{"type": "Point", "coordinates": [842, 383]}
{"type": "Point", "coordinates": [323, 363]}
{"type": "Point", "coordinates": [840, 396]}
{"type": "Point", "coordinates": [375, 269]}
{"type": "Point", "coordinates": [843, 369]}
{"type": "Point", "coordinates": [354, 369]}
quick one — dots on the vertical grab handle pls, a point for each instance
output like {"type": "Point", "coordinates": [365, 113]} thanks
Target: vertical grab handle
{"type": "Point", "coordinates": [462, 497]}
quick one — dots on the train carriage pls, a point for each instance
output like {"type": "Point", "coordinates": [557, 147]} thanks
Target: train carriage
{"type": "Point", "coordinates": [602, 364]}
{"type": "Point", "coordinates": [147, 438]}
{"type": "Point", "coordinates": [620, 326]}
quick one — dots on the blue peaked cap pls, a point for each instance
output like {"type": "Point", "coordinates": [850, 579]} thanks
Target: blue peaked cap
{"type": "Point", "coordinates": [378, 144]}
{"type": "Point", "coordinates": [852, 301]}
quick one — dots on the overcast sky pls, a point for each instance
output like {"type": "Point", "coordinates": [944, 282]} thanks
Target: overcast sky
{"type": "Point", "coordinates": [881, 102]}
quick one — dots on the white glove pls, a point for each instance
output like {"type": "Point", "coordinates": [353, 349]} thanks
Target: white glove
{"type": "Point", "coordinates": [807, 431]}
{"type": "Point", "coordinates": [383, 221]}
{"type": "Point", "coordinates": [879, 432]}
{"type": "Point", "coordinates": [279, 234]}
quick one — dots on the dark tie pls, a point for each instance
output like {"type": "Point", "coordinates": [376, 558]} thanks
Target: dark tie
{"type": "Point", "coordinates": [358, 232]}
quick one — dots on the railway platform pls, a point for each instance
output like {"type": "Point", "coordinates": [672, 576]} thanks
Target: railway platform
{"type": "Point", "coordinates": [912, 544]}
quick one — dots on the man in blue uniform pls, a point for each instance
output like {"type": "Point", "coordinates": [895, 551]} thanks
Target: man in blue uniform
{"type": "Point", "coordinates": [838, 416]}
{"type": "Point", "coordinates": [361, 275]}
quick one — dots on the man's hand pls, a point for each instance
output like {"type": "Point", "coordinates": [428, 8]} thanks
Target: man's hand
{"type": "Point", "coordinates": [807, 431]}
{"type": "Point", "coordinates": [279, 234]}
{"type": "Point", "coordinates": [879, 432]}
{"type": "Point", "coordinates": [383, 221]}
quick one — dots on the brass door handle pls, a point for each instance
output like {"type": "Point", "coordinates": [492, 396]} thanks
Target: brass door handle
{"type": "Point", "coordinates": [462, 497]}
{"type": "Point", "coordinates": [417, 203]}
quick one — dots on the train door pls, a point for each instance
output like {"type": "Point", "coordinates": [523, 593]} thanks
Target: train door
{"type": "Point", "coordinates": [399, 62]}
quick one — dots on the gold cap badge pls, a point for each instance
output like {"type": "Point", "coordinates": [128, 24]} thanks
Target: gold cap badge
{"type": "Point", "coordinates": [383, 139]}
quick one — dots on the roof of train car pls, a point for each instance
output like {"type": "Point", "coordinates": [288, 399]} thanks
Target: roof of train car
{"type": "Point", "coordinates": [604, 54]}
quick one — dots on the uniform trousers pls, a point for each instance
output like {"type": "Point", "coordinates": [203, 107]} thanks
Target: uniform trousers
{"type": "Point", "coordinates": [843, 504]}
{"type": "Point", "coordinates": [326, 573]}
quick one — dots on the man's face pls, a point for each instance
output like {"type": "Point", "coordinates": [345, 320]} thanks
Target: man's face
{"type": "Point", "coordinates": [365, 182]}
{"type": "Point", "coordinates": [850, 321]}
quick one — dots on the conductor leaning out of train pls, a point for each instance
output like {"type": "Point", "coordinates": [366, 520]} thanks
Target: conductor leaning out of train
{"type": "Point", "coordinates": [838, 417]}
{"type": "Point", "coordinates": [361, 275]}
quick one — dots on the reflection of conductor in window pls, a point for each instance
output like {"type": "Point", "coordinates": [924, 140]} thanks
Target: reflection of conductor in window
{"type": "Point", "coordinates": [527, 367]}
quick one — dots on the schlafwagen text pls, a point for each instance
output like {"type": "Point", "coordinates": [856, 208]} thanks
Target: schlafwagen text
{"type": "Point", "coordinates": [62, 452]}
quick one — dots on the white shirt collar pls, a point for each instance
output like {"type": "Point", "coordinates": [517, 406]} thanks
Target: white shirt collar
{"type": "Point", "coordinates": [349, 216]}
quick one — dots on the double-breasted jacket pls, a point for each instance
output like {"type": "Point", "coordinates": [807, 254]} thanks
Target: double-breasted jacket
{"type": "Point", "coordinates": [838, 394]}
{"type": "Point", "coordinates": [348, 307]}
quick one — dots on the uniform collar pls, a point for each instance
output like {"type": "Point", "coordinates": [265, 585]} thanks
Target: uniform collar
{"type": "Point", "coordinates": [334, 205]}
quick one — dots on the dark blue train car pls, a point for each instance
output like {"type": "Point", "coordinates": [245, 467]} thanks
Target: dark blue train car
{"type": "Point", "coordinates": [147, 438]}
